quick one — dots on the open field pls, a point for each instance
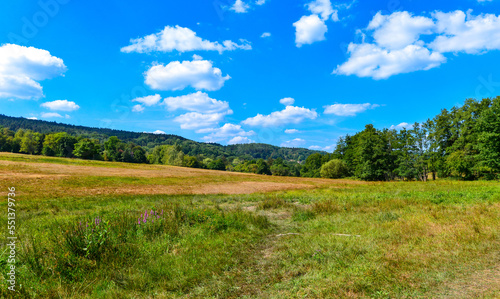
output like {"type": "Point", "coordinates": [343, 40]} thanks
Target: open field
{"type": "Point", "coordinates": [219, 234]}
{"type": "Point", "coordinates": [73, 176]}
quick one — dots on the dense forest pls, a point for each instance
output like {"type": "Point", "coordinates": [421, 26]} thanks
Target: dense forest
{"type": "Point", "coordinates": [148, 141]}
{"type": "Point", "coordinates": [462, 143]}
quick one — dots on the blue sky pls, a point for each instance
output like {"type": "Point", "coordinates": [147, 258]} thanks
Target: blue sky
{"type": "Point", "coordinates": [290, 73]}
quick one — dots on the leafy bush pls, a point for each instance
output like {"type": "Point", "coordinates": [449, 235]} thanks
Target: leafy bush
{"type": "Point", "coordinates": [334, 169]}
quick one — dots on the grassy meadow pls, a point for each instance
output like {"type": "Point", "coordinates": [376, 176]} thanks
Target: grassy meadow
{"type": "Point", "coordinates": [91, 229]}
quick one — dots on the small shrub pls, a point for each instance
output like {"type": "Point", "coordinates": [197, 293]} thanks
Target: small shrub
{"type": "Point", "coordinates": [334, 169]}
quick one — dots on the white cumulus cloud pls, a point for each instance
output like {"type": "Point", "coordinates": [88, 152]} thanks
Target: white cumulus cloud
{"type": "Point", "coordinates": [240, 7]}
{"type": "Point", "coordinates": [370, 60]}
{"type": "Point", "coordinates": [196, 120]}
{"type": "Point", "coordinates": [395, 44]}
{"type": "Point", "coordinates": [157, 132]}
{"type": "Point", "coordinates": [323, 8]}
{"type": "Point", "coordinates": [137, 108]}
{"type": "Point", "coordinates": [180, 39]}
{"type": "Point", "coordinates": [199, 74]}
{"type": "Point", "coordinates": [401, 126]}
{"type": "Point", "coordinates": [291, 131]}
{"type": "Point", "coordinates": [290, 115]}
{"type": "Point", "coordinates": [287, 101]}
{"type": "Point", "coordinates": [19, 87]}
{"type": "Point", "coordinates": [328, 148]}
{"type": "Point", "coordinates": [309, 29]}
{"type": "Point", "coordinates": [460, 32]}
{"type": "Point", "coordinates": [297, 142]}
{"type": "Point", "coordinates": [50, 115]}
{"type": "Point", "coordinates": [228, 130]}
{"type": "Point", "coordinates": [265, 34]}
{"type": "Point", "coordinates": [148, 100]}
{"type": "Point", "coordinates": [348, 109]}
{"type": "Point", "coordinates": [22, 67]}
{"type": "Point", "coordinates": [240, 140]}
{"type": "Point", "coordinates": [400, 29]}
{"type": "Point", "coordinates": [61, 105]}
{"type": "Point", "coordinates": [197, 102]}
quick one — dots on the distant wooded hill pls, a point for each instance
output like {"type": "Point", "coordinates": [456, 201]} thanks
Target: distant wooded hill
{"type": "Point", "coordinates": [149, 141]}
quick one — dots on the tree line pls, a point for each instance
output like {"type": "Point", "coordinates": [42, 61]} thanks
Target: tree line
{"type": "Point", "coordinates": [62, 144]}
{"type": "Point", "coordinates": [463, 142]}
{"type": "Point", "coordinates": [149, 141]}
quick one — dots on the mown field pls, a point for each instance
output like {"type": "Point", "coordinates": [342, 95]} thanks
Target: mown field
{"type": "Point", "coordinates": [209, 234]}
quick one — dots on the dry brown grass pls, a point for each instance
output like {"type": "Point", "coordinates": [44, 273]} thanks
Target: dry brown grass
{"type": "Point", "coordinates": [36, 179]}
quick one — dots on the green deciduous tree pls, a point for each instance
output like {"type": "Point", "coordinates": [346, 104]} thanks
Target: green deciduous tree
{"type": "Point", "coordinates": [334, 169]}
{"type": "Point", "coordinates": [87, 149]}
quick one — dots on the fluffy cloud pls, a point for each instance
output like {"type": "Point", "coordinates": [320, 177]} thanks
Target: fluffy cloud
{"type": "Point", "coordinates": [291, 131]}
{"type": "Point", "coordinates": [197, 102]}
{"type": "Point", "coordinates": [309, 29]}
{"type": "Point", "coordinates": [61, 105]}
{"type": "Point", "coordinates": [21, 67]}
{"type": "Point", "coordinates": [148, 100]}
{"type": "Point", "coordinates": [348, 109]}
{"type": "Point", "coordinates": [297, 142]}
{"type": "Point", "coordinates": [290, 115]}
{"type": "Point", "coordinates": [398, 30]}
{"type": "Point", "coordinates": [157, 132]}
{"type": "Point", "coordinates": [240, 7]}
{"type": "Point", "coordinates": [199, 74]}
{"type": "Point", "coordinates": [19, 87]}
{"type": "Point", "coordinates": [260, 2]}
{"type": "Point", "coordinates": [180, 39]}
{"type": "Point", "coordinates": [328, 148]}
{"type": "Point", "coordinates": [323, 8]}
{"type": "Point", "coordinates": [312, 28]}
{"type": "Point", "coordinates": [227, 131]}
{"type": "Point", "coordinates": [240, 140]}
{"type": "Point", "coordinates": [50, 115]}
{"type": "Point", "coordinates": [265, 34]}
{"type": "Point", "coordinates": [466, 33]}
{"type": "Point", "coordinates": [398, 48]}
{"type": "Point", "coordinates": [287, 101]}
{"type": "Point", "coordinates": [401, 126]}
{"type": "Point", "coordinates": [196, 120]}
{"type": "Point", "coordinates": [137, 108]}
{"type": "Point", "coordinates": [369, 60]}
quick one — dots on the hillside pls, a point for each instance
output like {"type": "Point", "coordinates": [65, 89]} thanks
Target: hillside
{"type": "Point", "coordinates": [149, 140]}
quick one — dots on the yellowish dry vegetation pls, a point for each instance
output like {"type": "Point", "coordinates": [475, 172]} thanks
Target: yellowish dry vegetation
{"type": "Point", "coordinates": [232, 235]}
{"type": "Point", "coordinates": [37, 177]}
